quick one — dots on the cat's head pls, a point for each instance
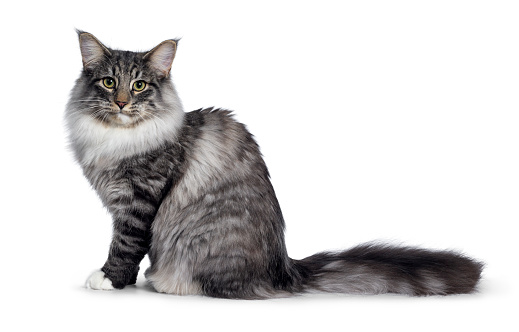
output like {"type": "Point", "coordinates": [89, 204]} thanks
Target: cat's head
{"type": "Point", "coordinates": [124, 103]}
{"type": "Point", "coordinates": [121, 88]}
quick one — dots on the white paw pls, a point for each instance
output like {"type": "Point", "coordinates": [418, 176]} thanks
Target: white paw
{"type": "Point", "coordinates": [97, 280]}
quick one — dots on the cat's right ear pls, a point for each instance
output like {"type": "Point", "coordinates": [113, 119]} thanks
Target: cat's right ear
{"type": "Point", "coordinates": [92, 50]}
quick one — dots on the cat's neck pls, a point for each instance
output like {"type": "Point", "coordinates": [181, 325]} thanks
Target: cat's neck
{"type": "Point", "coordinates": [94, 142]}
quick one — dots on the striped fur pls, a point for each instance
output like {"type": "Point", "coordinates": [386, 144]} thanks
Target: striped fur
{"type": "Point", "coordinates": [192, 191]}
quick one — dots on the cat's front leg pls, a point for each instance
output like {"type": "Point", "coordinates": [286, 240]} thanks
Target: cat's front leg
{"type": "Point", "coordinates": [130, 243]}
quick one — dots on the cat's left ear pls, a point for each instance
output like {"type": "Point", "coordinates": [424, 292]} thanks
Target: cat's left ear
{"type": "Point", "coordinates": [161, 57]}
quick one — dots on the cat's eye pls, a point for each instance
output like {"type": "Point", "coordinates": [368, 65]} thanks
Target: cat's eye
{"type": "Point", "coordinates": [109, 82]}
{"type": "Point", "coordinates": [139, 86]}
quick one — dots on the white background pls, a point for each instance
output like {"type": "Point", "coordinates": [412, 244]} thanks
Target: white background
{"type": "Point", "coordinates": [392, 120]}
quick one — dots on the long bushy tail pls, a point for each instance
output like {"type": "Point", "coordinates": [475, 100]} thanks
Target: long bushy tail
{"type": "Point", "coordinates": [375, 269]}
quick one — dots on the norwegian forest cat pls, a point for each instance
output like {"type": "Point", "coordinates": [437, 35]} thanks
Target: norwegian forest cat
{"type": "Point", "coordinates": [192, 191]}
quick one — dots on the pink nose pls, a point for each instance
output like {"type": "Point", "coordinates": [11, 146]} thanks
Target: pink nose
{"type": "Point", "coordinates": [121, 104]}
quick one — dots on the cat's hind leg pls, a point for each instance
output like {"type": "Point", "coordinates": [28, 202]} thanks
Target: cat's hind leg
{"type": "Point", "coordinates": [172, 280]}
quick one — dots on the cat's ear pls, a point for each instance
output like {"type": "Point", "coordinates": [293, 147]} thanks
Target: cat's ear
{"type": "Point", "coordinates": [92, 50]}
{"type": "Point", "coordinates": [161, 57]}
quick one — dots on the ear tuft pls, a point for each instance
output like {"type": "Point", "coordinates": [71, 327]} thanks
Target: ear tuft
{"type": "Point", "coordinates": [92, 50]}
{"type": "Point", "coordinates": [161, 57]}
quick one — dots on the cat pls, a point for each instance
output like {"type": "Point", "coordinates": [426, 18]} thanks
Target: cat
{"type": "Point", "coordinates": [191, 191]}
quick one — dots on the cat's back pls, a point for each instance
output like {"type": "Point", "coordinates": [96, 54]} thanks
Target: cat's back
{"type": "Point", "coordinates": [220, 132]}
{"type": "Point", "coordinates": [220, 151]}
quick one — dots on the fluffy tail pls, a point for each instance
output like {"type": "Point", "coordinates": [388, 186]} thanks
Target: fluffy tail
{"type": "Point", "coordinates": [375, 269]}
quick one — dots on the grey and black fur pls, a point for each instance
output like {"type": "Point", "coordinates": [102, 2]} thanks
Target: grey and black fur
{"type": "Point", "coordinates": [192, 191]}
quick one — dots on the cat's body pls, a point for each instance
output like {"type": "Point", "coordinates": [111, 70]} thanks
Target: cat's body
{"type": "Point", "coordinates": [192, 191]}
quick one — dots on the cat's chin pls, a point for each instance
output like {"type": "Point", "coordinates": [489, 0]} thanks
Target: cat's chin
{"type": "Point", "coordinates": [122, 120]}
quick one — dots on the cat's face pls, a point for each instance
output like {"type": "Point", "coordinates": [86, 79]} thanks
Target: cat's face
{"type": "Point", "coordinates": [121, 88]}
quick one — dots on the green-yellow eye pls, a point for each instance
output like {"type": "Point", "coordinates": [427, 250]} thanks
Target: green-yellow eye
{"type": "Point", "coordinates": [109, 82]}
{"type": "Point", "coordinates": [139, 86]}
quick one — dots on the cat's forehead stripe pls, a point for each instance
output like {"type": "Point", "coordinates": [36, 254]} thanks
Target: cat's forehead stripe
{"type": "Point", "coordinates": [135, 72]}
{"type": "Point", "coordinates": [126, 63]}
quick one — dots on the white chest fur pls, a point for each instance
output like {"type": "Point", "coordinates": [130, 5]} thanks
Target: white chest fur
{"type": "Point", "coordinates": [94, 141]}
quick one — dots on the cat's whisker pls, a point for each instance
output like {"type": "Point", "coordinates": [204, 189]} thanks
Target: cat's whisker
{"type": "Point", "coordinates": [89, 102]}
{"type": "Point", "coordinates": [88, 107]}
{"type": "Point", "coordinates": [97, 114]}
{"type": "Point", "coordinates": [104, 117]}
{"type": "Point", "coordinates": [139, 114]}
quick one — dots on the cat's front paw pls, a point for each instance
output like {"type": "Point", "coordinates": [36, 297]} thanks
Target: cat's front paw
{"type": "Point", "coordinates": [97, 280]}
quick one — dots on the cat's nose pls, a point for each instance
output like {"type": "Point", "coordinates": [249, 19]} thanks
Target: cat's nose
{"type": "Point", "coordinates": [121, 104]}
